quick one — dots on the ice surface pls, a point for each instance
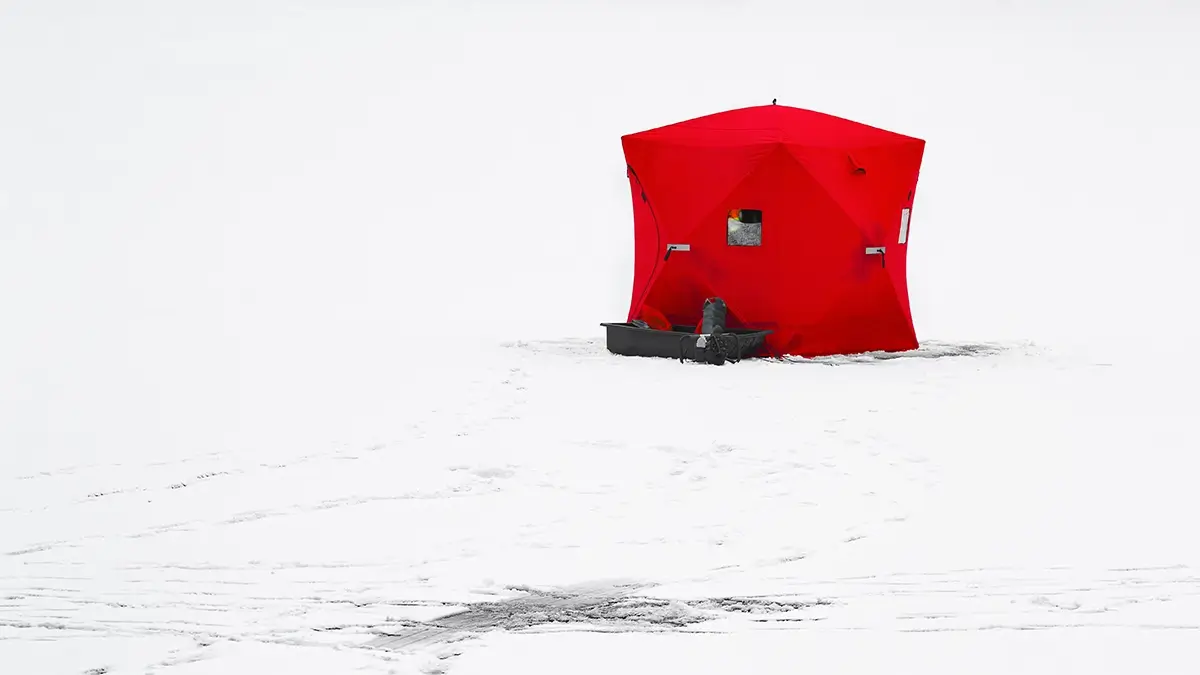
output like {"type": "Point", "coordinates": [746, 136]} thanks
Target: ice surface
{"type": "Point", "coordinates": [299, 368]}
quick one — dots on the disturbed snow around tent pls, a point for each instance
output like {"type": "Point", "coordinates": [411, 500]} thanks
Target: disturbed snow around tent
{"type": "Point", "coordinates": [1001, 500]}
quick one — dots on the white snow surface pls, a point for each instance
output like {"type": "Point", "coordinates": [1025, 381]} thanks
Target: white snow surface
{"type": "Point", "coordinates": [301, 370]}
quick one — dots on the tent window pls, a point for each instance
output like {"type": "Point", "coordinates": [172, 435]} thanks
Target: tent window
{"type": "Point", "coordinates": [744, 227]}
{"type": "Point", "coordinates": [904, 216]}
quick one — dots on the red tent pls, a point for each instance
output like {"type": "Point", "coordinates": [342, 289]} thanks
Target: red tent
{"type": "Point", "coordinates": [797, 219]}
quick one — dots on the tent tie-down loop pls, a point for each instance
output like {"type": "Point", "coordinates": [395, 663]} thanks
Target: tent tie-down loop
{"type": "Point", "coordinates": [676, 247]}
{"type": "Point", "coordinates": [880, 251]}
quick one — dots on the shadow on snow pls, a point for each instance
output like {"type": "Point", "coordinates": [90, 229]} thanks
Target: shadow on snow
{"type": "Point", "coordinates": [931, 349]}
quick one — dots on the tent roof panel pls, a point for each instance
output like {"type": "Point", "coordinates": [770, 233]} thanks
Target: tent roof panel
{"type": "Point", "coordinates": [772, 123]}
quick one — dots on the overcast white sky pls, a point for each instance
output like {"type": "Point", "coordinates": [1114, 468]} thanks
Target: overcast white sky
{"type": "Point", "coordinates": [224, 222]}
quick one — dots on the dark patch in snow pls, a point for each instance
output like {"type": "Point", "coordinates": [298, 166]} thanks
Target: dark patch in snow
{"type": "Point", "coordinates": [612, 607]}
{"type": "Point", "coordinates": [928, 350]}
{"type": "Point", "coordinates": [537, 610]}
{"type": "Point", "coordinates": [754, 605]}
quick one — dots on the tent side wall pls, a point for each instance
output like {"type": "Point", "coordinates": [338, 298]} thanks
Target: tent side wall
{"type": "Point", "coordinates": [674, 187]}
{"type": "Point", "coordinates": [867, 307]}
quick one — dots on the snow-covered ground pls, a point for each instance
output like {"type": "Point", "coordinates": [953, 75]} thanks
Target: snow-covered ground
{"type": "Point", "coordinates": [1003, 506]}
{"type": "Point", "coordinates": [301, 371]}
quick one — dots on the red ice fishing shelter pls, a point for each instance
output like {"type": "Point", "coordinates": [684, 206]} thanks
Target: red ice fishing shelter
{"type": "Point", "coordinates": [799, 220]}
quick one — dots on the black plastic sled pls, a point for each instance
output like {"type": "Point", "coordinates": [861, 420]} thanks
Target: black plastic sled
{"type": "Point", "coordinates": [683, 343]}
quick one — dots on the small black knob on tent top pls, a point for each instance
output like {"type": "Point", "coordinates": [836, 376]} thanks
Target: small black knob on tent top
{"type": "Point", "coordinates": [773, 101]}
